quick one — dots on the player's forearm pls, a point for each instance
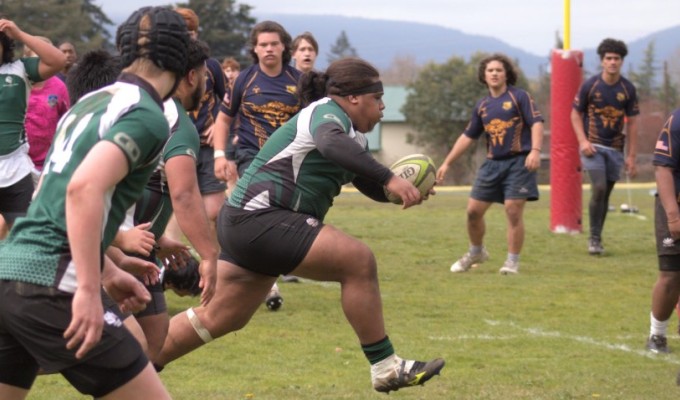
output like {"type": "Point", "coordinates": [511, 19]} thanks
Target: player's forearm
{"type": "Point", "coordinates": [459, 147]}
{"type": "Point", "coordinates": [537, 136]}
{"type": "Point", "coordinates": [84, 210]}
{"type": "Point", "coordinates": [221, 131]}
{"type": "Point", "coordinates": [577, 125]}
{"type": "Point", "coordinates": [193, 221]}
{"type": "Point", "coordinates": [632, 136]}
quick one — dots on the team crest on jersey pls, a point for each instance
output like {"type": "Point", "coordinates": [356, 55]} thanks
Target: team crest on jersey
{"type": "Point", "coordinates": [620, 96]}
{"type": "Point", "coordinates": [333, 117]}
{"type": "Point", "coordinates": [9, 81]}
{"type": "Point", "coordinates": [291, 89]}
{"type": "Point", "coordinates": [507, 105]}
{"type": "Point", "coordinates": [128, 145]}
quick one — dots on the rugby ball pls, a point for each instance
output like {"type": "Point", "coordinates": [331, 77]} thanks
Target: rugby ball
{"type": "Point", "coordinates": [417, 169]}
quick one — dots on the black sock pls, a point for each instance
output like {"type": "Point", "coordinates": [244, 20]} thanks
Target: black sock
{"type": "Point", "coordinates": [378, 351]}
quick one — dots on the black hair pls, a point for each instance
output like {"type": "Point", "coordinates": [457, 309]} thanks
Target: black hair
{"type": "Point", "coordinates": [7, 48]}
{"type": "Point", "coordinates": [96, 69]}
{"type": "Point", "coordinates": [198, 51]}
{"type": "Point", "coordinates": [343, 76]}
{"type": "Point", "coordinates": [610, 45]}
{"type": "Point", "coordinates": [185, 279]}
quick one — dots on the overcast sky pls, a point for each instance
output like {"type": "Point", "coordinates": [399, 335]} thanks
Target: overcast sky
{"type": "Point", "coordinates": [527, 24]}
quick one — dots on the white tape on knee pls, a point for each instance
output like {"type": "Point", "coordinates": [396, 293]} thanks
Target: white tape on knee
{"type": "Point", "coordinates": [198, 326]}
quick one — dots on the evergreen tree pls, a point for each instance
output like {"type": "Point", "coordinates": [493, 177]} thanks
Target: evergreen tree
{"type": "Point", "coordinates": [80, 22]}
{"type": "Point", "coordinates": [341, 49]}
{"type": "Point", "coordinates": [644, 77]}
{"type": "Point", "coordinates": [225, 26]}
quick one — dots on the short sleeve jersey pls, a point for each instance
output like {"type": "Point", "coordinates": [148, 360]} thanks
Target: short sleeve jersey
{"type": "Point", "coordinates": [667, 149]}
{"type": "Point", "coordinates": [215, 88]}
{"type": "Point", "coordinates": [604, 108]}
{"type": "Point", "coordinates": [15, 88]}
{"type": "Point", "coordinates": [290, 173]}
{"type": "Point", "coordinates": [128, 114]}
{"type": "Point", "coordinates": [507, 121]}
{"type": "Point", "coordinates": [155, 205]}
{"type": "Point", "coordinates": [261, 103]}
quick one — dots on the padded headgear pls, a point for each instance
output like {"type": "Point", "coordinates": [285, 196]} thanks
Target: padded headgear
{"type": "Point", "coordinates": [164, 43]}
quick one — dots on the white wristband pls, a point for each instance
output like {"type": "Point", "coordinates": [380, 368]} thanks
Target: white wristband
{"type": "Point", "coordinates": [218, 154]}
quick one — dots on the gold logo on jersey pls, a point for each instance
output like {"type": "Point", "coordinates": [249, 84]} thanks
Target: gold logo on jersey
{"type": "Point", "coordinates": [507, 105]}
{"type": "Point", "coordinates": [620, 96]}
{"type": "Point", "coordinates": [128, 145]}
{"type": "Point", "coordinates": [291, 89]}
{"type": "Point", "coordinates": [497, 130]}
{"type": "Point", "coordinates": [609, 116]}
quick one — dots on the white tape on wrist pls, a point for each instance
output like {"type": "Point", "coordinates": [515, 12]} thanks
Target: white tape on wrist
{"type": "Point", "coordinates": [218, 154]}
{"type": "Point", "coordinates": [198, 326]}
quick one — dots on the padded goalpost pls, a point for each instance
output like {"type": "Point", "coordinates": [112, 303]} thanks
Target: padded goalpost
{"type": "Point", "coordinates": [565, 163]}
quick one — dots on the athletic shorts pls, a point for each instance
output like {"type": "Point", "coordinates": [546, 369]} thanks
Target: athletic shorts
{"type": "Point", "coordinates": [667, 249]}
{"type": "Point", "coordinates": [33, 319]}
{"type": "Point", "coordinates": [157, 305]}
{"type": "Point", "coordinates": [243, 159]}
{"type": "Point", "coordinates": [15, 199]}
{"type": "Point", "coordinates": [605, 159]}
{"type": "Point", "coordinates": [205, 171]}
{"type": "Point", "coordinates": [270, 242]}
{"type": "Point", "coordinates": [500, 180]}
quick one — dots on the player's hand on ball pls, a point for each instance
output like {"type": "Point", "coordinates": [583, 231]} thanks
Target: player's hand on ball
{"type": "Point", "coordinates": [409, 194]}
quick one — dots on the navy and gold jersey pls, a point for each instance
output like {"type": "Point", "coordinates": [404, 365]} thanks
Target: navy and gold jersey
{"type": "Point", "coordinates": [604, 109]}
{"type": "Point", "coordinates": [667, 149]}
{"type": "Point", "coordinates": [507, 121]}
{"type": "Point", "coordinates": [262, 104]}
{"type": "Point", "coordinates": [215, 88]}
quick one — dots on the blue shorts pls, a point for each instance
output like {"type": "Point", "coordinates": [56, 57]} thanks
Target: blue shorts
{"type": "Point", "coordinates": [506, 179]}
{"type": "Point", "coordinates": [605, 159]}
{"type": "Point", "coordinates": [205, 172]}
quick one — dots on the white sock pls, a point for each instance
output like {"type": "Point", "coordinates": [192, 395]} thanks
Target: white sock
{"type": "Point", "coordinates": [657, 327]}
{"type": "Point", "coordinates": [513, 257]}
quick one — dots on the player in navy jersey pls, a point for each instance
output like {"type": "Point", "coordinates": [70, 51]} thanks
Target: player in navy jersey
{"type": "Point", "coordinates": [273, 222]}
{"type": "Point", "coordinates": [513, 129]}
{"type": "Point", "coordinates": [601, 108]}
{"type": "Point", "coordinates": [262, 99]}
{"type": "Point", "coordinates": [52, 269]}
{"type": "Point", "coordinates": [667, 227]}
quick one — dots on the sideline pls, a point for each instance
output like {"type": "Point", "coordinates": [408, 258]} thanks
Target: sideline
{"type": "Point", "coordinates": [538, 332]}
{"type": "Point", "coordinates": [546, 188]}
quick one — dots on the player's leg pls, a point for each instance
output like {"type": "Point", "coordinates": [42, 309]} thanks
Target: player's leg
{"type": "Point", "coordinates": [146, 385]}
{"type": "Point", "coordinates": [238, 294]}
{"type": "Point", "coordinates": [14, 202]}
{"type": "Point", "coordinates": [12, 392]}
{"type": "Point", "coordinates": [336, 256]}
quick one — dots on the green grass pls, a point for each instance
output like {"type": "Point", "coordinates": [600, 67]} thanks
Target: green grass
{"type": "Point", "coordinates": [570, 326]}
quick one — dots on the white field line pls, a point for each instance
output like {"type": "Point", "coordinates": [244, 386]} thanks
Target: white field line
{"type": "Point", "coordinates": [538, 332]}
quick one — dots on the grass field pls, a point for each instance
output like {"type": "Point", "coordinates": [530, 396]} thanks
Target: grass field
{"type": "Point", "coordinates": [570, 326]}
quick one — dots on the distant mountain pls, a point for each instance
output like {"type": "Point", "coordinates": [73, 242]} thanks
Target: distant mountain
{"type": "Point", "coordinates": [379, 41]}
